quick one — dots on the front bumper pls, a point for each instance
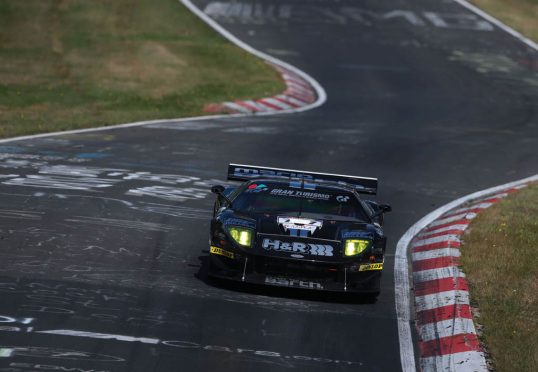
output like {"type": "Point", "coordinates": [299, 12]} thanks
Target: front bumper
{"type": "Point", "coordinates": [313, 275]}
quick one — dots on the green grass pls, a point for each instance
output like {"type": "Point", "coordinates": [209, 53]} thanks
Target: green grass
{"type": "Point", "coordinates": [521, 15]}
{"type": "Point", "coordinates": [500, 259]}
{"type": "Point", "coordinates": [68, 64]}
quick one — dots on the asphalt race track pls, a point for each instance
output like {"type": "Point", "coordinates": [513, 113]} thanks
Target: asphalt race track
{"type": "Point", "coordinates": [103, 235]}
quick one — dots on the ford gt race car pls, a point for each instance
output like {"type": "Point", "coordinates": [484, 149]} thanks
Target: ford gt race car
{"type": "Point", "coordinates": [291, 228]}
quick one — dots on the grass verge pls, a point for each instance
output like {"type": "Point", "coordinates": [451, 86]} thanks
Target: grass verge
{"type": "Point", "coordinates": [68, 64]}
{"type": "Point", "coordinates": [521, 15]}
{"type": "Point", "coordinates": [500, 260]}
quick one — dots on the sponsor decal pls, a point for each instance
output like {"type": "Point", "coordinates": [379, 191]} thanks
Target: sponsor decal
{"type": "Point", "coordinates": [248, 172]}
{"type": "Point", "coordinates": [299, 226]}
{"type": "Point", "coordinates": [309, 179]}
{"type": "Point", "coordinates": [342, 199]}
{"type": "Point", "coordinates": [221, 252]}
{"type": "Point", "coordinates": [239, 222]}
{"type": "Point", "coordinates": [289, 282]}
{"type": "Point", "coordinates": [356, 234]}
{"type": "Point", "coordinates": [374, 266]}
{"type": "Point", "coordinates": [298, 247]}
{"type": "Point", "coordinates": [255, 187]}
{"type": "Point", "coordinates": [300, 194]}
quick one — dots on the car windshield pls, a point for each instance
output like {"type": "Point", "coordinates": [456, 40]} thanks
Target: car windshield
{"type": "Point", "coordinates": [280, 199]}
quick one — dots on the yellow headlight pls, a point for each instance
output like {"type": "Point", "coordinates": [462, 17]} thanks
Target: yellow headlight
{"type": "Point", "coordinates": [356, 246]}
{"type": "Point", "coordinates": [241, 236]}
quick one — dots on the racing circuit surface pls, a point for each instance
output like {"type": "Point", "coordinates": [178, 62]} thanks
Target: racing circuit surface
{"type": "Point", "coordinates": [103, 235]}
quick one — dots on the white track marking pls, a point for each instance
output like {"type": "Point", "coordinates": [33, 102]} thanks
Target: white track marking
{"type": "Point", "coordinates": [104, 336]}
{"type": "Point", "coordinates": [6, 352]}
{"type": "Point", "coordinates": [459, 362]}
{"type": "Point", "coordinates": [401, 275]}
{"type": "Point", "coordinates": [435, 300]}
{"type": "Point", "coordinates": [62, 182]}
{"type": "Point", "coordinates": [124, 224]}
{"type": "Point", "coordinates": [446, 328]}
{"type": "Point", "coordinates": [170, 193]}
{"type": "Point", "coordinates": [498, 23]}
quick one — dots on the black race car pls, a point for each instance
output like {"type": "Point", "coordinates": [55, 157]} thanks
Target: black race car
{"type": "Point", "coordinates": [299, 229]}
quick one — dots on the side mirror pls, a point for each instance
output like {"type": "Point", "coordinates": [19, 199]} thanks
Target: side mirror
{"type": "Point", "coordinates": [385, 208]}
{"type": "Point", "coordinates": [379, 210]}
{"type": "Point", "coordinates": [219, 190]}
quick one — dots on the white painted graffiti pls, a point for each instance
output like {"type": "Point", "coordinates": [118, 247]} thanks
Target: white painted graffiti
{"type": "Point", "coordinates": [9, 351]}
{"type": "Point", "coordinates": [181, 344]}
{"type": "Point", "coordinates": [62, 182]}
{"type": "Point", "coordinates": [162, 178]}
{"type": "Point", "coordinates": [129, 224]}
{"type": "Point", "coordinates": [171, 193]}
{"type": "Point", "coordinates": [87, 178]}
{"type": "Point", "coordinates": [20, 215]}
{"type": "Point", "coordinates": [76, 171]}
{"type": "Point", "coordinates": [8, 319]}
{"type": "Point", "coordinates": [14, 324]}
{"type": "Point", "coordinates": [50, 367]}
{"type": "Point", "coordinates": [260, 13]}
{"type": "Point", "coordinates": [54, 353]}
{"type": "Point", "coordinates": [173, 210]}
{"type": "Point", "coordinates": [22, 160]}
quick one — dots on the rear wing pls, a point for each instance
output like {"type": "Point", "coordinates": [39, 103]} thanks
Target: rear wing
{"type": "Point", "coordinates": [240, 172]}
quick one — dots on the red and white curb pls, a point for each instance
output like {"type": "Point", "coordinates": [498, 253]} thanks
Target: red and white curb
{"type": "Point", "coordinates": [302, 91]}
{"type": "Point", "coordinates": [447, 339]}
{"type": "Point", "coordinates": [299, 93]}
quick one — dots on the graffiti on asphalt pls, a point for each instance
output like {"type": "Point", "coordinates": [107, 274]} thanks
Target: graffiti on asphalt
{"type": "Point", "coordinates": [284, 14]}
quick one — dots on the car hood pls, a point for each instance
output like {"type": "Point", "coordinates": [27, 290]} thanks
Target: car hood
{"type": "Point", "coordinates": [312, 225]}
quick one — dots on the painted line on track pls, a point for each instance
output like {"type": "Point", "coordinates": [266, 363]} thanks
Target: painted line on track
{"type": "Point", "coordinates": [446, 338]}
{"type": "Point", "coordinates": [531, 44]}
